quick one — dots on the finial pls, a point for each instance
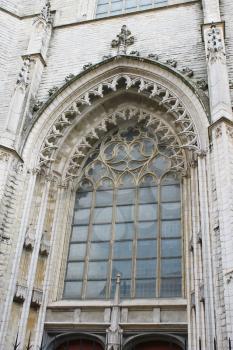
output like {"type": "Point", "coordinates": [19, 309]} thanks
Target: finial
{"type": "Point", "coordinates": [124, 39]}
{"type": "Point", "coordinates": [45, 13]}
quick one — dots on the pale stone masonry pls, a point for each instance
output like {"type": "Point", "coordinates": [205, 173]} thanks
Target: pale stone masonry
{"type": "Point", "coordinates": [66, 78]}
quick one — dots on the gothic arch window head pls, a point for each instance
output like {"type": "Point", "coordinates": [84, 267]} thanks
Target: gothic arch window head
{"type": "Point", "coordinates": [107, 8]}
{"type": "Point", "coordinates": [127, 220]}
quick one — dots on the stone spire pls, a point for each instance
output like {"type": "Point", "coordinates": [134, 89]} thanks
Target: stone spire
{"type": "Point", "coordinates": [114, 332]}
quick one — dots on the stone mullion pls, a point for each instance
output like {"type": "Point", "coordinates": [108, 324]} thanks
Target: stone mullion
{"type": "Point", "coordinates": [33, 263]}
{"type": "Point", "coordinates": [58, 212]}
{"type": "Point", "coordinates": [207, 252]}
{"type": "Point", "coordinates": [222, 152]}
{"type": "Point", "coordinates": [30, 184]}
{"type": "Point", "coordinates": [186, 263]}
{"type": "Point", "coordinates": [195, 230]}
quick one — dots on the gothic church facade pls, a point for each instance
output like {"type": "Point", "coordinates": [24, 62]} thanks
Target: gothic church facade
{"type": "Point", "coordinates": [116, 171]}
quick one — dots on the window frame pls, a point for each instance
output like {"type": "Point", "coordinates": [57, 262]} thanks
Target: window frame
{"type": "Point", "coordinates": [123, 11]}
{"type": "Point", "coordinates": [135, 240]}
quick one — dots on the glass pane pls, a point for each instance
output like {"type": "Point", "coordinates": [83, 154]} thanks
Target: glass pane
{"type": "Point", "coordinates": [147, 249]}
{"type": "Point", "coordinates": [125, 196]}
{"type": "Point", "coordinates": [102, 215]}
{"type": "Point", "coordinates": [81, 216]}
{"type": "Point", "coordinates": [147, 195]}
{"type": "Point", "coordinates": [74, 271]}
{"type": "Point", "coordinates": [103, 198]}
{"type": "Point", "coordinates": [147, 212]}
{"type": "Point", "coordinates": [102, 9]}
{"type": "Point", "coordinates": [171, 228]}
{"type": "Point", "coordinates": [160, 165]}
{"type": "Point", "coordinates": [170, 267]}
{"type": "Point", "coordinates": [99, 251]}
{"type": "Point", "coordinates": [116, 6]}
{"type": "Point", "coordinates": [79, 233]}
{"type": "Point", "coordinates": [130, 4]}
{"type": "Point", "coordinates": [72, 290]}
{"type": "Point", "coordinates": [122, 249]}
{"type": "Point", "coordinates": [170, 210]}
{"type": "Point", "coordinates": [147, 229]}
{"type": "Point", "coordinates": [124, 231]}
{"type": "Point", "coordinates": [145, 3]}
{"type": "Point", "coordinates": [145, 288]}
{"type": "Point", "coordinates": [101, 232]}
{"type": "Point", "coordinates": [125, 213]}
{"type": "Point", "coordinates": [122, 267]}
{"type": "Point", "coordinates": [97, 270]}
{"type": "Point", "coordinates": [171, 248]}
{"type": "Point", "coordinates": [170, 193]}
{"type": "Point", "coordinates": [171, 287]}
{"type": "Point", "coordinates": [124, 289]}
{"type": "Point", "coordinates": [96, 289]}
{"type": "Point", "coordinates": [77, 251]}
{"type": "Point", "coordinates": [146, 268]}
{"type": "Point", "coordinates": [83, 199]}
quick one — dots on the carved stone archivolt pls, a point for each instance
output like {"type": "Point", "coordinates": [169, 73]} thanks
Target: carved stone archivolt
{"type": "Point", "coordinates": [165, 139]}
{"type": "Point", "coordinates": [182, 120]}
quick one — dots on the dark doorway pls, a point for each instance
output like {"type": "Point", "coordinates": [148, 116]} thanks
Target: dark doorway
{"type": "Point", "coordinates": [158, 345]}
{"type": "Point", "coordinates": [79, 344]}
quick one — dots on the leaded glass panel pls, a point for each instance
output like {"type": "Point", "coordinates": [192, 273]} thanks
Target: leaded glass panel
{"type": "Point", "coordinates": [116, 7]}
{"type": "Point", "coordinates": [127, 221]}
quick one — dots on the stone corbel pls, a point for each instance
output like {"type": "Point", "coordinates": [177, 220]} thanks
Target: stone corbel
{"type": "Point", "coordinates": [44, 245]}
{"type": "Point", "coordinates": [29, 241]}
{"type": "Point", "coordinates": [37, 295]}
{"type": "Point", "coordinates": [20, 293]}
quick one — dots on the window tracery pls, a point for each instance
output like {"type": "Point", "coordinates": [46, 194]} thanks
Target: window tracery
{"type": "Point", "coordinates": [127, 219]}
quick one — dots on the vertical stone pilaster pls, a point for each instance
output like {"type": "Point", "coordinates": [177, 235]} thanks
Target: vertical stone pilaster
{"type": "Point", "coordinates": [207, 250]}
{"type": "Point", "coordinates": [218, 82]}
{"type": "Point", "coordinates": [222, 135]}
{"type": "Point", "coordinates": [29, 182]}
{"type": "Point", "coordinates": [211, 11]}
{"type": "Point", "coordinates": [33, 262]}
{"type": "Point", "coordinates": [51, 262]}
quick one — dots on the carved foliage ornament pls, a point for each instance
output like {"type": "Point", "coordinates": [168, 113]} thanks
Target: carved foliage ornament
{"type": "Point", "coordinates": [46, 12]}
{"type": "Point", "coordinates": [23, 77]}
{"type": "Point", "coordinates": [215, 46]}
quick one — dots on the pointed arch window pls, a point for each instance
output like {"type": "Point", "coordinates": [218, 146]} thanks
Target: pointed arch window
{"type": "Point", "coordinates": [107, 8]}
{"type": "Point", "coordinates": [127, 220]}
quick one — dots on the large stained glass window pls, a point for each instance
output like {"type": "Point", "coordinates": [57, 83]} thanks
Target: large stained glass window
{"type": "Point", "coordinates": [116, 7]}
{"type": "Point", "coordinates": [127, 220]}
